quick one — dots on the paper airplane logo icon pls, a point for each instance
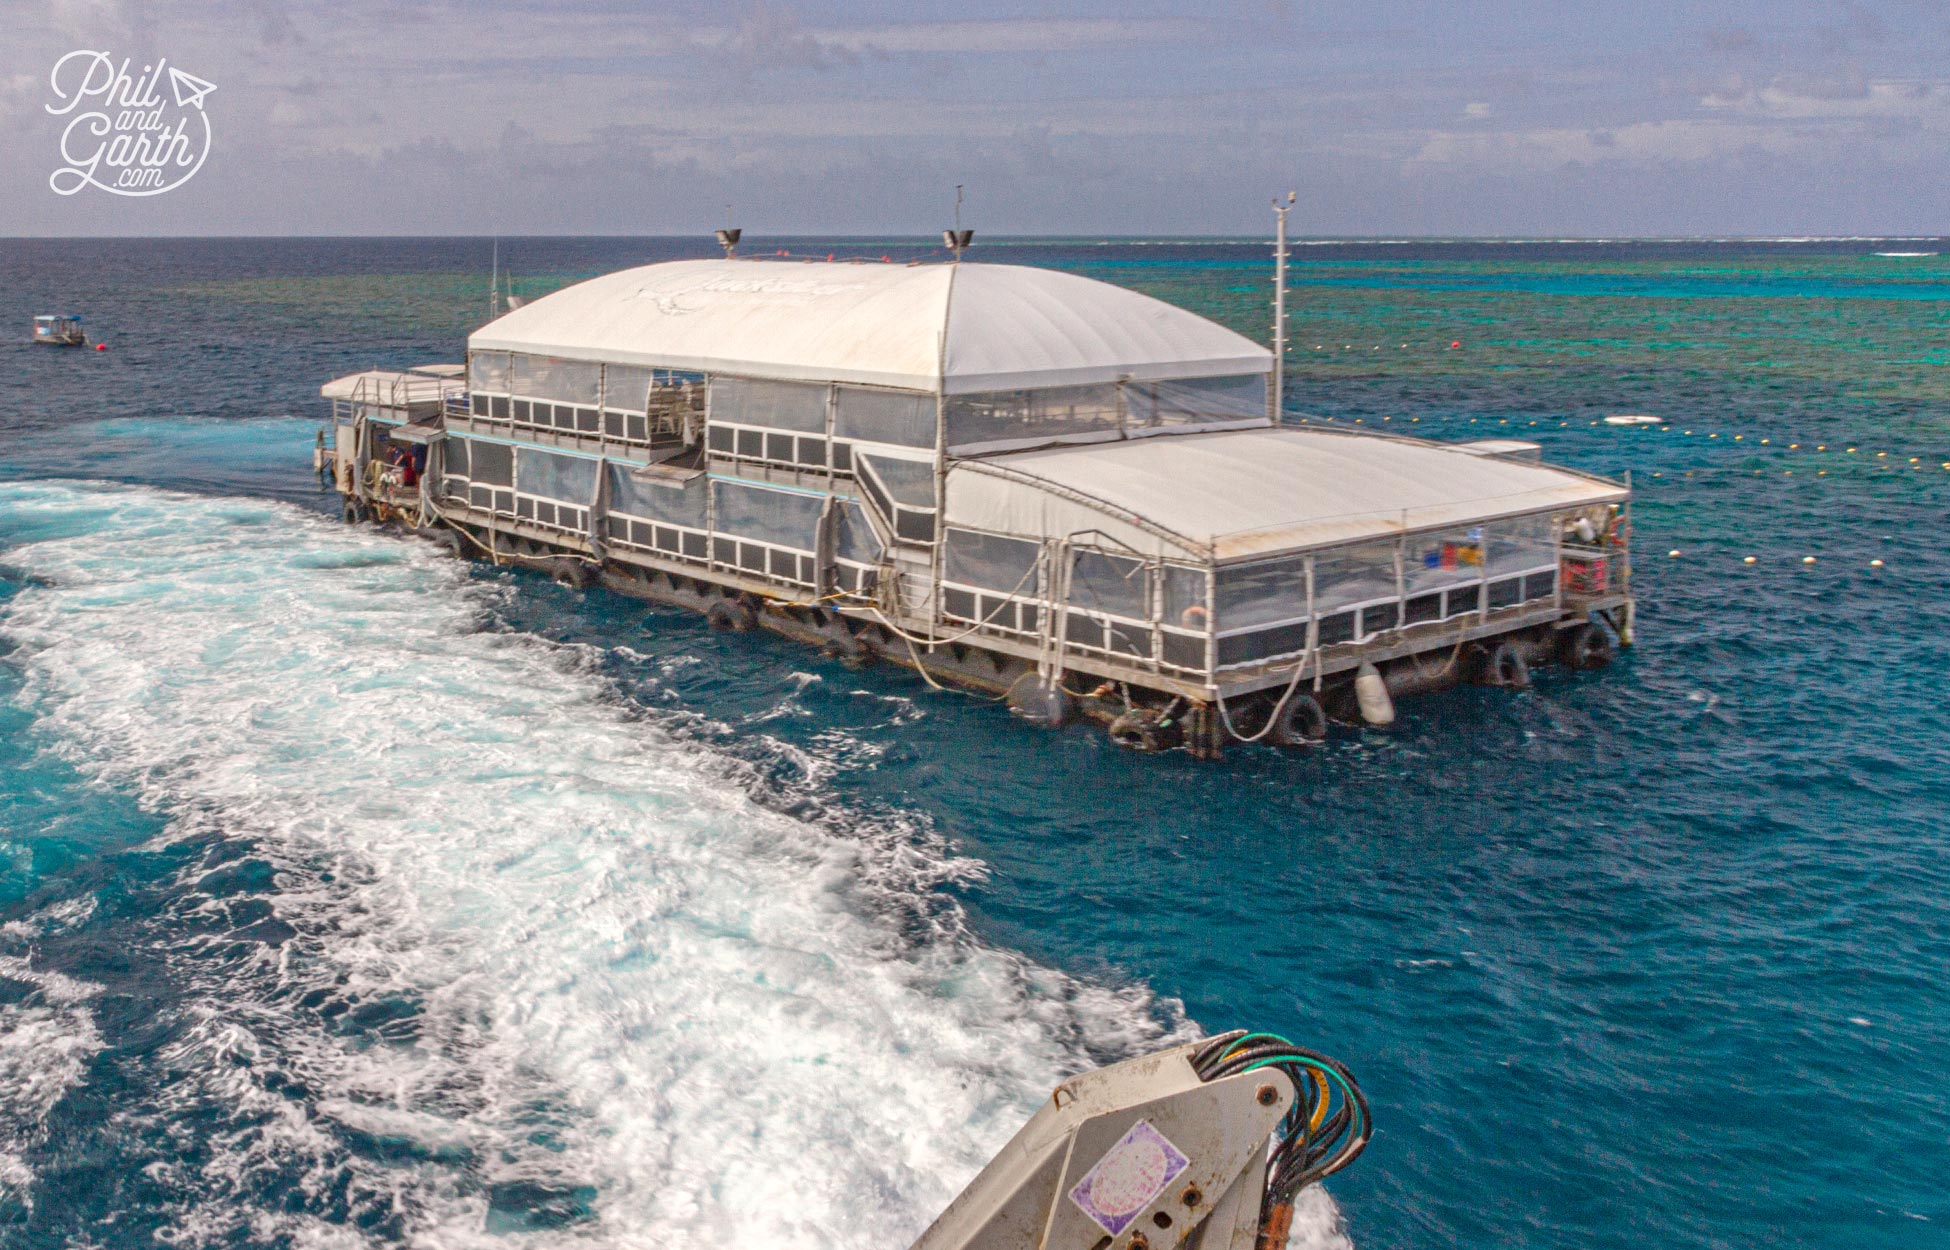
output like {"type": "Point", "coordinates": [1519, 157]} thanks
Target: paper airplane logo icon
{"type": "Point", "coordinates": [189, 89]}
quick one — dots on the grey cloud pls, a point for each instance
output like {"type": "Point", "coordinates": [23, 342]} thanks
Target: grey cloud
{"type": "Point", "coordinates": [1730, 39]}
{"type": "Point", "coordinates": [525, 116]}
{"type": "Point", "coordinates": [769, 39]}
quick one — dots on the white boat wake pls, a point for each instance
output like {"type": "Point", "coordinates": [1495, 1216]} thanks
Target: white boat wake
{"type": "Point", "coordinates": [478, 951]}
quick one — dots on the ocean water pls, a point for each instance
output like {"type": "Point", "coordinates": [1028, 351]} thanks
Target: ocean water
{"type": "Point", "coordinates": [354, 896]}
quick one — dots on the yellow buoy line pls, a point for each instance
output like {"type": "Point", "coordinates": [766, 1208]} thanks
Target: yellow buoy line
{"type": "Point", "coordinates": [1806, 561]}
{"type": "Point", "coordinates": [1915, 462]}
{"type": "Point", "coordinates": [1682, 474]}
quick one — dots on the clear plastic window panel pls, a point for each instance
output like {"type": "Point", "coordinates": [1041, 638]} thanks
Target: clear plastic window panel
{"type": "Point", "coordinates": [1032, 416]}
{"type": "Point", "coordinates": [1113, 585]}
{"type": "Point", "coordinates": [1194, 401]}
{"type": "Point", "coordinates": [453, 458]}
{"type": "Point", "coordinates": [993, 562]}
{"type": "Point", "coordinates": [1345, 576]}
{"type": "Point", "coordinates": [626, 388]}
{"type": "Point", "coordinates": [899, 417]}
{"type": "Point", "coordinates": [1522, 544]}
{"type": "Point", "coordinates": [776, 405]}
{"type": "Point", "coordinates": [786, 518]}
{"type": "Point", "coordinates": [564, 381]}
{"type": "Point", "coordinates": [856, 539]}
{"type": "Point", "coordinates": [1261, 594]}
{"type": "Point", "coordinates": [571, 479]}
{"type": "Point", "coordinates": [1433, 561]}
{"type": "Point", "coordinates": [685, 503]}
{"type": "Point", "coordinates": [1183, 590]}
{"type": "Point", "coordinates": [488, 371]}
{"type": "Point", "coordinates": [910, 482]}
{"type": "Point", "coordinates": [491, 464]}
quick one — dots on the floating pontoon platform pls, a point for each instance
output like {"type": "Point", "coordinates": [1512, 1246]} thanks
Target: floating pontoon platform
{"type": "Point", "coordinates": [1013, 479]}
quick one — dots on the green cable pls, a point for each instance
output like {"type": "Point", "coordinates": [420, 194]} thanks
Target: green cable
{"type": "Point", "coordinates": [1309, 1065]}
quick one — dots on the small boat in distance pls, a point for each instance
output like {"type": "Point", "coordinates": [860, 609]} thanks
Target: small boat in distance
{"type": "Point", "coordinates": [1905, 255]}
{"type": "Point", "coordinates": [59, 330]}
{"type": "Point", "coordinates": [1635, 418]}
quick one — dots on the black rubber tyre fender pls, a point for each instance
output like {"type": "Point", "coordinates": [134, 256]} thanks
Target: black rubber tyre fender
{"type": "Point", "coordinates": [732, 614]}
{"type": "Point", "coordinates": [1584, 647]}
{"type": "Point", "coordinates": [1145, 730]}
{"type": "Point", "coordinates": [1338, 701]}
{"type": "Point", "coordinates": [843, 645]}
{"type": "Point", "coordinates": [574, 574]}
{"type": "Point", "coordinates": [354, 512]}
{"type": "Point", "coordinates": [1505, 667]}
{"type": "Point", "coordinates": [1301, 721]}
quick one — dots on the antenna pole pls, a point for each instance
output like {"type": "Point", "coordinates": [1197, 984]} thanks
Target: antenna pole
{"type": "Point", "coordinates": [1276, 394]}
{"type": "Point", "coordinates": [494, 284]}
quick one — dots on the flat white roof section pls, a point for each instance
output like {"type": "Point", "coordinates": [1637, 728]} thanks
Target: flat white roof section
{"type": "Point", "coordinates": [391, 388]}
{"type": "Point", "coordinates": [1243, 493]}
{"type": "Point", "coordinates": [954, 329]}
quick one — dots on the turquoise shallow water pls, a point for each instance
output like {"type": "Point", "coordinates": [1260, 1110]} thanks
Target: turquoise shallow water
{"type": "Point", "coordinates": [346, 892]}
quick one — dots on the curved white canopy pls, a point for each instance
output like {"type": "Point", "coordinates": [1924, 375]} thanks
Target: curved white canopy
{"type": "Point", "coordinates": [955, 329]}
{"type": "Point", "coordinates": [1246, 493]}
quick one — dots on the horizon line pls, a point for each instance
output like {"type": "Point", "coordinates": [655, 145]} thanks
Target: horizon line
{"type": "Point", "coordinates": [932, 240]}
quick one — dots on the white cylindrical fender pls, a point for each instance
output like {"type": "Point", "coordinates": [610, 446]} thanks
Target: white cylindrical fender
{"type": "Point", "coordinates": [1371, 693]}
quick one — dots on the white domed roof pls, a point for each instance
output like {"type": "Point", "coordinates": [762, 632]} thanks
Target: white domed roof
{"type": "Point", "coordinates": [958, 329]}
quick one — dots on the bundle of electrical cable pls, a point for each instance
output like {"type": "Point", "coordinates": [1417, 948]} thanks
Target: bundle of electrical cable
{"type": "Point", "coordinates": [1328, 1126]}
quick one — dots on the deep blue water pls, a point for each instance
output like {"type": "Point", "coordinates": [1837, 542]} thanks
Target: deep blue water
{"type": "Point", "coordinates": [349, 891]}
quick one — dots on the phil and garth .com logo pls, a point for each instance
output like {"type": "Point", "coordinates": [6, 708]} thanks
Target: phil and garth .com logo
{"type": "Point", "coordinates": [131, 140]}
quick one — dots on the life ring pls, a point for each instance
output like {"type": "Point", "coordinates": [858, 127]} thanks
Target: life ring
{"type": "Point", "coordinates": [1584, 647]}
{"type": "Point", "coordinates": [1301, 721]}
{"type": "Point", "coordinates": [1194, 617]}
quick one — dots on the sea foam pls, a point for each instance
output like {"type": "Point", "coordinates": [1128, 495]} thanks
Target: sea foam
{"type": "Point", "coordinates": [533, 964]}
{"type": "Point", "coordinates": [476, 949]}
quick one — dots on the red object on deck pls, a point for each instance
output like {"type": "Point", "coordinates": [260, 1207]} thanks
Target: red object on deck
{"type": "Point", "coordinates": [1585, 575]}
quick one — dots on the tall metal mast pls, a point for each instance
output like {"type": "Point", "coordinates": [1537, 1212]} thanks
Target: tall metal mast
{"type": "Point", "coordinates": [1276, 394]}
{"type": "Point", "coordinates": [494, 284]}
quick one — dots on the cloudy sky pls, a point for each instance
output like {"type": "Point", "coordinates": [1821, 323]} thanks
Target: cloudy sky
{"type": "Point", "coordinates": [1471, 117]}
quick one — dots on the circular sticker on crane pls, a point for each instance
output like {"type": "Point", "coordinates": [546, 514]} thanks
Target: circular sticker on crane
{"type": "Point", "coordinates": [1129, 1177]}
